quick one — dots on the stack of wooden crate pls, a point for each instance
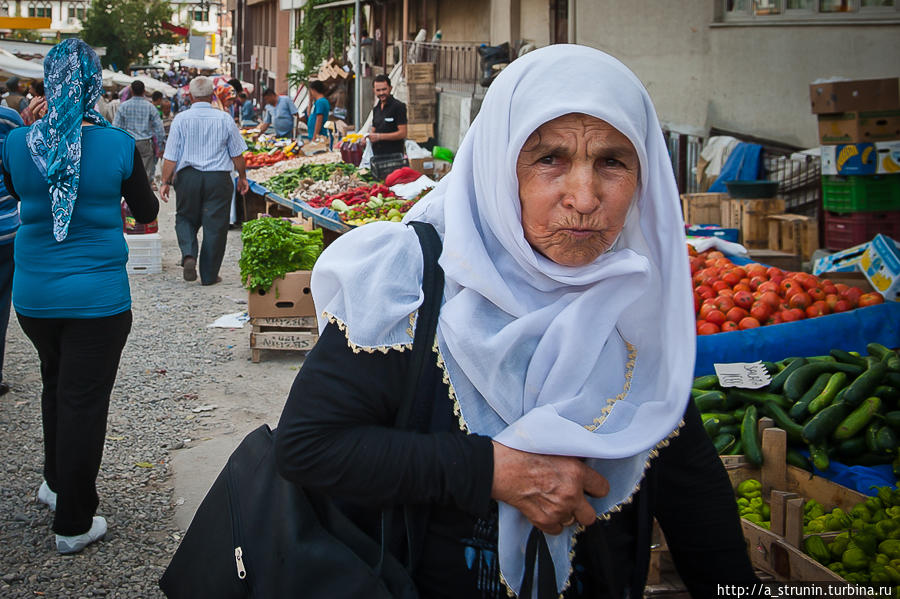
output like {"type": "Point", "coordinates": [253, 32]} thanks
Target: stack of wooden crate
{"type": "Point", "coordinates": [421, 109]}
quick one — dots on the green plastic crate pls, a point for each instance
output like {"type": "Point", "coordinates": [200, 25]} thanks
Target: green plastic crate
{"type": "Point", "coordinates": [861, 193]}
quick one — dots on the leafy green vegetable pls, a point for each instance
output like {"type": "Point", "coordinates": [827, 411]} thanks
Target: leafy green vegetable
{"type": "Point", "coordinates": [285, 183]}
{"type": "Point", "coordinates": [274, 247]}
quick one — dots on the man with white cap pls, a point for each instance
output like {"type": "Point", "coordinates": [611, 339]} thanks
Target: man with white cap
{"type": "Point", "coordinates": [204, 145]}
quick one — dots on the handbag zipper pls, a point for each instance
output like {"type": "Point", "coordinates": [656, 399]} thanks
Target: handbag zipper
{"type": "Point", "coordinates": [239, 560]}
{"type": "Point", "coordinates": [235, 526]}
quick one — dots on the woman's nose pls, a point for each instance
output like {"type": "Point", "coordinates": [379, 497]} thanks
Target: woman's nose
{"type": "Point", "coordinates": [580, 193]}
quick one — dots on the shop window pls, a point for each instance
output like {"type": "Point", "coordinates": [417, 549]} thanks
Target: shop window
{"type": "Point", "coordinates": [42, 11]}
{"type": "Point", "coordinates": [812, 11]}
{"type": "Point", "coordinates": [77, 12]}
{"type": "Point", "coordinates": [200, 15]}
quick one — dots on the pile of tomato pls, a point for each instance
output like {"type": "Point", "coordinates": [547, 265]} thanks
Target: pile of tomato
{"type": "Point", "coordinates": [728, 297]}
{"type": "Point", "coordinates": [256, 160]}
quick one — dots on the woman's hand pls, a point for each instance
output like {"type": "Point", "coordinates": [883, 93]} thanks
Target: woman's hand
{"type": "Point", "coordinates": [38, 107]}
{"type": "Point", "coordinates": [548, 490]}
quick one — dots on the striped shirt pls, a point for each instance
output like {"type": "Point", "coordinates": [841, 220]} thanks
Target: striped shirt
{"type": "Point", "coordinates": [140, 119]}
{"type": "Point", "coordinates": [9, 206]}
{"type": "Point", "coordinates": [204, 138]}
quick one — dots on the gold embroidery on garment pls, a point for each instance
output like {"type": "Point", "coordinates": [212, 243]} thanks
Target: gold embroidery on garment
{"type": "Point", "coordinates": [451, 392]}
{"type": "Point", "coordinates": [629, 373]}
{"type": "Point", "coordinates": [370, 350]}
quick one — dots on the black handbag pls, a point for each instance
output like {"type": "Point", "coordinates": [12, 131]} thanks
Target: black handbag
{"type": "Point", "coordinates": [258, 535]}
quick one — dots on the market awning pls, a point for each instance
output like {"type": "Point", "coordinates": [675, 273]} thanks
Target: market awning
{"type": "Point", "coordinates": [182, 31]}
{"type": "Point", "coordinates": [341, 4]}
{"type": "Point", "coordinates": [13, 65]}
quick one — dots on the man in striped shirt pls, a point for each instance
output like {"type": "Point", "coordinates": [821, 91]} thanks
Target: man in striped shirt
{"type": "Point", "coordinates": [9, 224]}
{"type": "Point", "coordinates": [141, 120]}
{"type": "Point", "coordinates": [203, 145]}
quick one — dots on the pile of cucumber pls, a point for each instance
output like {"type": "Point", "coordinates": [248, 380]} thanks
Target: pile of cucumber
{"type": "Point", "coordinates": [842, 406]}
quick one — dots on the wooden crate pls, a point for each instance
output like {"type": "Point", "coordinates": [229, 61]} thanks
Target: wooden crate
{"type": "Point", "coordinates": [421, 113]}
{"type": "Point", "coordinates": [702, 208]}
{"type": "Point", "coordinates": [794, 234]}
{"type": "Point", "coordinates": [420, 72]}
{"type": "Point", "coordinates": [420, 132]}
{"type": "Point", "coordinates": [282, 334]}
{"type": "Point", "coordinates": [418, 93]}
{"type": "Point", "coordinates": [751, 217]}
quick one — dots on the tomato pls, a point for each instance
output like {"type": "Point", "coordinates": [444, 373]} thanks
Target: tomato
{"type": "Point", "coordinates": [736, 314]}
{"type": "Point", "coordinates": [723, 303]}
{"type": "Point", "coordinates": [800, 300]}
{"type": "Point", "coordinates": [816, 293]}
{"type": "Point", "coordinates": [756, 270]}
{"type": "Point", "coordinates": [787, 285]}
{"type": "Point", "coordinates": [798, 313]}
{"type": "Point", "coordinates": [740, 272]}
{"type": "Point", "coordinates": [841, 288]}
{"type": "Point", "coordinates": [692, 251]}
{"type": "Point", "coordinates": [730, 326]}
{"type": "Point", "coordinates": [852, 295]}
{"type": "Point", "coordinates": [817, 309]}
{"type": "Point", "coordinates": [777, 279]}
{"type": "Point", "coordinates": [743, 299]}
{"type": "Point", "coordinates": [726, 292]}
{"type": "Point", "coordinates": [776, 318]}
{"type": "Point", "coordinates": [831, 300]}
{"type": "Point", "coordinates": [731, 279]}
{"type": "Point", "coordinates": [717, 317]}
{"type": "Point", "coordinates": [771, 298]}
{"type": "Point", "coordinates": [870, 299]}
{"type": "Point", "coordinates": [696, 265]}
{"type": "Point", "coordinates": [774, 272]}
{"type": "Point", "coordinates": [768, 286]}
{"type": "Point", "coordinates": [761, 311]}
{"type": "Point", "coordinates": [707, 328]}
{"type": "Point", "coordinates": [705, 291]}
{"type": "Point", "coordinates": [788, 315]}
{"type": "Point", "coordinates": [705, 308]}
{"type": "Point", "coordinates": [842, 305]}
{"type": "Point", "coordinates": [748, 323]}
{"type": "Point", "coordinates": [829, 288]}
{"type": "Point", "coordinates": [720, 285]}
{"type": "Point", "coordinates": [755, 282]}
{"type": "Point", "coordinates": [742, 287]}
{"type": "Point", "coordinates": [716, 254]}
{"type": "Point", "coordinates": [793, 291]}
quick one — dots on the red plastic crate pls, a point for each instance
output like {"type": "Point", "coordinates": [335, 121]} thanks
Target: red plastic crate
{"type": "Point", "coordinates": [847, 230]}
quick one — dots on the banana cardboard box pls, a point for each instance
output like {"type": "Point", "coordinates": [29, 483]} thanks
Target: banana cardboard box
{"type": "Point", "coordinates": [880, 158]}
{"type": "Point", "coordinates": [880, 263]}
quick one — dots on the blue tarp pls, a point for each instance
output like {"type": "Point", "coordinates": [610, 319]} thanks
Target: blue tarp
{"type": "Point", "coordinates": [864, 479]}
{"type": "Point", "coordinates": [743, 164]}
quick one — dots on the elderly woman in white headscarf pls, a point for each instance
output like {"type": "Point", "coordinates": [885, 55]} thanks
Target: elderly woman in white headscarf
{"type": "Point", "coordinates": [564, 355]}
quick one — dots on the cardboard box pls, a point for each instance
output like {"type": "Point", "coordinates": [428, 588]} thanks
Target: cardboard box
{"type": "Point", "coordinates": [420, 112]}
{"type": "Point", "coordinates": [702, 208]}
{"type": "Point", "coordinates": [843, 261]}
{"type": "Point", "coordinates": [732, 235]}
{"type": "Point", "coordinates": [751, 217]}
{"type": "Point", "coordinates": [794, 234]}
{"type": "Point", "coordinates": [880, 263]}
{"type": "Point", "coordinates": [421, 93]}
{"type": "Point", "coordinates": [420, 72]}
{"type": "Point", "coordinates": [879, 158]}
{"type": "Point", "coordinates": [852, 279]}
{"type": "Point", "coordinates": [423, 165]}
{"type": "Point", "coordinates": [289, 296]}
{"type": "Point", "coordinates": [420, 132]}
{"type": "Point", "coordinates": [863, 94]}
{"type": "Point", "coordinates": [856, 127]}
{"type": "Point", "coordinates": [441, 168]}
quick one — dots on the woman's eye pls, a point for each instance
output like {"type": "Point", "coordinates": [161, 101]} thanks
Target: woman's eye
{"type": "Point", "coordinates": [550, 159]}
{"type": "Point", "coordinates": [612, 163]}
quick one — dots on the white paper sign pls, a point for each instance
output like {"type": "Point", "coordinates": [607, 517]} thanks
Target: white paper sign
{"type": "Point", "coordinates": [743, 375]}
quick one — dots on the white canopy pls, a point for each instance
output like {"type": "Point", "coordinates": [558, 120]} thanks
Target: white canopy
{"type": "Point", "coordinates": [208, 64]}
{"type": "Point", "coordinates": [11, 64]}
{"type": "Point", "coordinates": [121, 79]}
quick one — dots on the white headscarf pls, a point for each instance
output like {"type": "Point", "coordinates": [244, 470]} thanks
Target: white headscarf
{"type": "Point", "coordinates": [592, 361]}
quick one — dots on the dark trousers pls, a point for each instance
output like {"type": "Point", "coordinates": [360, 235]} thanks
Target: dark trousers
{"type": "Point", "coordinates": [203, 199]}
{"type": "Point", "coordinates": [79, 360]}
{"type": "Point", "coordinates": [6, 277]}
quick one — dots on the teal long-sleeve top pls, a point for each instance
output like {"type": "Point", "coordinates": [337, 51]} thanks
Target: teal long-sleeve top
{"type": "Point", "coordinates": [84, 275]}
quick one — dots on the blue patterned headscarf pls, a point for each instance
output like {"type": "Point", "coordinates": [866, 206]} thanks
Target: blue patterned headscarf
{"type": "Point", "coordinates": [73, 81]}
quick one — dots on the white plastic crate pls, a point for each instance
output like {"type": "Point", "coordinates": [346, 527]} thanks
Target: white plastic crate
{"type": "Point", "coordinates": [144, 254]}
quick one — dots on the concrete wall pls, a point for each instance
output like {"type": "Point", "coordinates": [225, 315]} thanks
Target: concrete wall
{"type": "Point", "coordinates": [535, 22]}
{"type": "Point", "coordinates": [750, 79]}
{"type": "Point", "coordinates": [464, 20]}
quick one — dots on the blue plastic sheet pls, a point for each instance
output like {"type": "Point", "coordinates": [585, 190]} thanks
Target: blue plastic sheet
{"type": "Point", "coordinates": [864, 479]}
{"type": "Point", "coordinates": [743, 164]}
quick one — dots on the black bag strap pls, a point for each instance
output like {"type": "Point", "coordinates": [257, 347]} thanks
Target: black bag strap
{"type": "Point", "coordinates": [536, 550]}
{"type": "Point", "coordinates": [423, 341]}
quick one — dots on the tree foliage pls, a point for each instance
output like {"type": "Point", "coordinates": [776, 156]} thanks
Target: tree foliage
{"type": "Point", "coordinates": [127, 28]}
{"type": "Point", "coordinates": [320, 35]}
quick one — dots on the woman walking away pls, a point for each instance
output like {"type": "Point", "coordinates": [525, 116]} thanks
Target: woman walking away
{"type": "Point", "coordinates": [70, 289]}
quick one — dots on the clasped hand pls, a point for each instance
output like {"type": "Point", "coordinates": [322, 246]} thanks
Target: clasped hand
{"type": "Point", "coordinates": [549, 490]}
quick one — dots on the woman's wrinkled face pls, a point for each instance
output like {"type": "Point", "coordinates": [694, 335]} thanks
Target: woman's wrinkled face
{"type": "Point", "coordinates": [577, 176]}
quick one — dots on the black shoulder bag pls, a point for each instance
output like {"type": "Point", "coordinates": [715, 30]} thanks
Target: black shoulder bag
{"type": "Point", "coordinates": [258, 535]}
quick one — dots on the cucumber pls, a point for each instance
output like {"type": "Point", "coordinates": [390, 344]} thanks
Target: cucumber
{"type": "Point", "coordinates": [892, 379]}
{"type": "Point", "coordinates": [777, 383]}
{"type": "Point", "coordinates": [723, 417]}
{"type": "Point", "coordinates": [893, 419]}
{"type": "Point", "coordinates": [724, 443]}
{"type": "Point", "coordinates": [878, 350]}
{"type": "Point", "coordinates": [892, 362]}
{"type": "Point", "coordinates": [871, 436]}
{"type": "Point", "coordinates": [865, 384]}
{"type": "Point", "coordinates": [857, 420]}
{"type": "Point", "coordinates": [695, 393]}
{"type": "Point", "coordinates": [803, 377]}
{"type": "Point", "coordinates": [738, 448]}
{"type": "Point", "coordinates": [837, 382]}
{"type": "Point", "coordinates": [711, 426]}
{"type": "Point", "coordinates": [750, 436]}
{"type": "Point", "coordinates": [886, 440]}
{"type": "Point", "coordinates": [848, 358]}
{"type": "Point", "coordinates": [782, 420]}
{"type": "Point", "coordinates": [795, 458]}
{"type": "Point", "coordinates": [771, 368]}
{"type": "Point", "coordinates": [706, 382]}
{"type": "Point", "coordinates": [823, 424]}
{"type": "Point", "coordinates": [748, 396]}
{"type": "Point", "coordinates": [731, 429]}
{"type": "Point", "coordinates": [886, 393]}
{"type": "Point", "coordinates": [800, 409]}
{"type": "Point", "coordinates": [852, 447]}
{"type": "Point", "coordinates": [710, 401]}
{"type": "Point", "coordinates": [819, 457]}
{"type": "Point", "coordinates": [821, 359]}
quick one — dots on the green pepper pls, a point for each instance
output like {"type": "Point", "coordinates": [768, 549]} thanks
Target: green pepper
{"type": "Point", "coordinates": [817, 525]}
{"type": "Point", "coordinates": [893, 573]}
{"type": "Point", "coordinates": [855, 558]}
{"type": "Point", "coordinates": [838, 546]}
{"type": "Point", "coordinates": [751, 485]}
{"type": "Point", "coordinates": [836, 567]}
{"type": "Point", "coordinates": [815, 547]}
{"type": "Point", "coordinates": [893, 512]}
{"type": "Point", "coordinates": [862, 512]}
{"type": "Point", "coordinates": [874, 503]}
{"type": "Point", "coordinates": [879, 515]}
{"type": "Point", "coordinates": [766, 512]}
{"type": "Point", "coordinates": [883, 528]}
{"type": "Point", "coordinates": [882, 559]}
{"type": "Point", "coordinates": [816, 512]}
{"type": "Point", "coordinates": [890, 548]}
{"type": "Point", "coordinates": [868, 542]}
{"type": "Point", "coordinates": [743, 502]}
{"type": "Point", "coordinates": [884, 495]}
{"type": "Point", "coordinates": [857, 577]}
{"type": "Point", "coordinates": [753, 517]}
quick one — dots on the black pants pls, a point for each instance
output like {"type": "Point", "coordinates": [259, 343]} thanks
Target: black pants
{"type": "Point", "coordinates": [79, 360]}
{"type": "Point", "coordinates": [203, 199]}
{"type": "Point", "coordinates": [6, 277]}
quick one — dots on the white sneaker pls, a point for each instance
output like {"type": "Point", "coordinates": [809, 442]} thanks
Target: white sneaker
{"type": "Point", "coordinates": [76, 543]}
{"type": "Point", "coordinates": [46, 496]}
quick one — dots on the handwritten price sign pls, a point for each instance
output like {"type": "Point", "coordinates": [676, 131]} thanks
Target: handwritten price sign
{"type": "Point", "coordinates": [744, 375]}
